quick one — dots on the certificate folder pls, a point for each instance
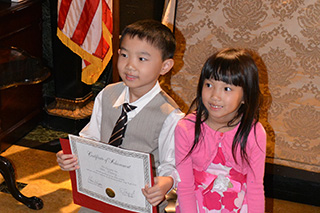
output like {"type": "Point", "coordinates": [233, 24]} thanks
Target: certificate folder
{"type": "Point", "coordinates": [110, 178]}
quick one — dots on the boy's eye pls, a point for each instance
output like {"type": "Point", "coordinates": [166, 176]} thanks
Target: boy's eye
{"type": "Point", "coordinates": [142, 59]}
{"type": "Point", "coordinates": [123, 54]}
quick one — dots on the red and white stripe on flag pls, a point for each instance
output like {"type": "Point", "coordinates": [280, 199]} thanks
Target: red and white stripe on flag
{"type": "Point", "coordinates": [85, 26]}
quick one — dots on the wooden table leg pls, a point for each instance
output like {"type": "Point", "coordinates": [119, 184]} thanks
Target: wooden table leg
{"type": "Point", "coordinates": [7, 172]}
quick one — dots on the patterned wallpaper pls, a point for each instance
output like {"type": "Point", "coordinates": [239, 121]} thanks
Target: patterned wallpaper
{"type": "Point", "coordinates": [286, 36]}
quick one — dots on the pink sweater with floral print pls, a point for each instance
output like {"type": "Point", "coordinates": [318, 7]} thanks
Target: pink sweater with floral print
{"type": "Point", "coordinates": [205, 152]}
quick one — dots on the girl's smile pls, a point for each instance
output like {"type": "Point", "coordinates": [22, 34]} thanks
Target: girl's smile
{"type": "Point", "coordinates": [222, 101]}
{"type": "Point", "coordinates": [215, 106]}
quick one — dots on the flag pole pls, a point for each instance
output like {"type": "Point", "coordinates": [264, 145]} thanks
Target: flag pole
{"type": "Point", "coordinates": [115, 39]}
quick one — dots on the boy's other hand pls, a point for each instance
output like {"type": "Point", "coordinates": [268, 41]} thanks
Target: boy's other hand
{"type": "Point", "coordinates": [67, 162]}
{"type": "Point", "coordinates": [156, 193]}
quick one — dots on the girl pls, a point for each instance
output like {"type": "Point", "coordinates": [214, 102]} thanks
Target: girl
{"type": "Point", "coordinates": [220, 146]}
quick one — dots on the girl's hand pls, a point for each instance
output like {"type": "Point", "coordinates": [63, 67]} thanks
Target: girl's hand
{"type": "Point", "coordinates": [156, 193]}
{"type": "Point", "coordinates": [67, 162]}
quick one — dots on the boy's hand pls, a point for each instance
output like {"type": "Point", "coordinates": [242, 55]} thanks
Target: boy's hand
{"type": "Point", "coordinates": [156, 193]}
{"type": "Point", "coordinates": [67, 162]}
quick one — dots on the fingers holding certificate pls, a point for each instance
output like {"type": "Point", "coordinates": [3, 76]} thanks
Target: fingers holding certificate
{"type": "Point", "coordinates": [109, 178]}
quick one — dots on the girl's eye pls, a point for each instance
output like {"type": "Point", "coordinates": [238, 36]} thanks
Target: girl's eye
{"type": "Point", "coordinates": [227, 89]}
{"type": "Point", "coordinates": [208, 85]}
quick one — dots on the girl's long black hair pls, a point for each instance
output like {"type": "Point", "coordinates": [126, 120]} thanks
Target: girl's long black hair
{"type": "Point", "coordinates": [236, 67]}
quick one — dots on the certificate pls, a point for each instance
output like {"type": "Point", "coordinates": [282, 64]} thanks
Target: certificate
{"type": "Point", "coordinates": [109, 179]}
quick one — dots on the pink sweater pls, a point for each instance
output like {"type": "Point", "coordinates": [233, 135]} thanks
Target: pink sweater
{"type": "Point", "coordinates": [204, 154]}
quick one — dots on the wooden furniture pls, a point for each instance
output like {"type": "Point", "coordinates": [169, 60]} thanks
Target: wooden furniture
{"type": "Point", "coordinates": [20, 26]}
{"type": "Point", "coordinates": [7, 171]}
{"type": "Point", "coordinates": [21, 75]}
{"type": "Point", "coordinates": [20, 106]}
{"type": "Point", "coordinates": [20, 99]}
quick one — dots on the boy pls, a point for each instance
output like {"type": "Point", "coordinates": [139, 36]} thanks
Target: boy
{"type": "Point", "coordinates": [146, 52]}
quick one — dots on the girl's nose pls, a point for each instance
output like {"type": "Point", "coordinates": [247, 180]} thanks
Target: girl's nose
{"type": "Point", "coordinates": [215, 95]}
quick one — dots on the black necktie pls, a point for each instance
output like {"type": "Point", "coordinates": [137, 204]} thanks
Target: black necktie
{"type": "Point", "coordinates": [120, 126]}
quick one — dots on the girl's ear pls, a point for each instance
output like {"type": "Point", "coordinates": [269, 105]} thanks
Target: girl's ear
{"type": "Point", "coordinates": [166, 66]}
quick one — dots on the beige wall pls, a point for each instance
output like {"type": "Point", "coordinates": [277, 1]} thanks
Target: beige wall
{"type": "Point", "coordinates": [286, 34]}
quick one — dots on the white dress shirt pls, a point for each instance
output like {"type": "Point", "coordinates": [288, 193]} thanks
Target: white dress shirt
{"type": "Point", "coordinates": [166, 137]}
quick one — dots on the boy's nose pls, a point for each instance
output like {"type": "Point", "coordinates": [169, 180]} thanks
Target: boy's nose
{"type": "Point", "coordinates": [130, 66]}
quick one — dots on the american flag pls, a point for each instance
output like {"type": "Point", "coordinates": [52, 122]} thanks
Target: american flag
{"type": "Point", "coordinates": [85, 26]}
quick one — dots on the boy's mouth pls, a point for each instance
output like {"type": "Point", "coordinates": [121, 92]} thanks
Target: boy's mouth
{"type": "Point", "coordinates": [130, 77]}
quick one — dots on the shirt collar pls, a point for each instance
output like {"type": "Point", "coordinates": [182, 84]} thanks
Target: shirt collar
{"type": "Point", "coordinates": [141, 102]}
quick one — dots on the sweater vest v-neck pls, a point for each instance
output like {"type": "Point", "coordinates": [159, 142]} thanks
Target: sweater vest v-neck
{"type": "Point", "coordinates": [143, 130]}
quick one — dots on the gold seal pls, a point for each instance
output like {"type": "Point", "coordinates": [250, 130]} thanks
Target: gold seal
{"type": "Point", "coordinates": [110, 192]}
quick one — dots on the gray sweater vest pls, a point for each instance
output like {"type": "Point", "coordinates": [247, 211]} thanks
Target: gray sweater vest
{"type": "Point", "coordinates": [143, 130]}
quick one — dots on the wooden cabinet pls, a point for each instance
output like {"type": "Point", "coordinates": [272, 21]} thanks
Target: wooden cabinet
{"type": "Point", "coordinates": [20, 26]}
{"type": "Point", "coordinates": [21, 105]}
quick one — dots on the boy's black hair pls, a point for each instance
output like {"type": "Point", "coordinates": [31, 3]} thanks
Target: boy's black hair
{"type": "Point", "coordinates": [236, 67]}
{"type": "Point", "coordinates": [155, 33]}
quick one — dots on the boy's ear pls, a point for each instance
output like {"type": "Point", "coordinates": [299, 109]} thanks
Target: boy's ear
{"type": "Point", "coordinates": [166, 66]}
